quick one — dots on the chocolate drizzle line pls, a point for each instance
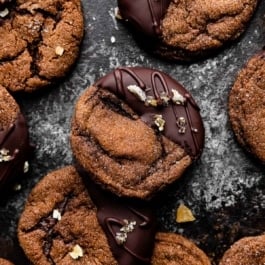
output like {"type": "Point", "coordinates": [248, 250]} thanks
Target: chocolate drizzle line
{"type": "Point", "coordinates": [15, 139]}
{"type": "Point", "coordinates": [112, 213]}
{"type": "Point", "coordinates": [144, 15]}
{"type": "Point", "coordinates": [154, 83]}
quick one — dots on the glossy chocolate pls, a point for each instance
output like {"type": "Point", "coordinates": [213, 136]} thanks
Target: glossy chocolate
{"type": "Point", "coordinates": [113, 214]}
{"type": "Point", "coordinates": [15, 140]}
{"type": "Point", "coordinates": [183, 123]}
{"type": "Point", "coordinates": [144, 15]}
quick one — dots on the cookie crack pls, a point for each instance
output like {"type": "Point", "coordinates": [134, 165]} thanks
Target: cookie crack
{"type": "Point", "coordinates": [116, 105]}
{"type": "Point", "coordinates": [47, 225]}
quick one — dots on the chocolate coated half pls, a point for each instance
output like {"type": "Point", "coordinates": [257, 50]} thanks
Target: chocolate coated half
{"type": "Point", "coordinates": [144, 15]}
{"type": "Point", "coordinates": [15, 140]}
{"type": "Point", "coordinates": [113, 213]}
{"type": "Point", "coordinates": [157, 85]}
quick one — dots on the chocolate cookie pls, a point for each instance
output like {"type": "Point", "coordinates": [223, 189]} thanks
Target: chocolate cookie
{"type": "Point", "coordinates": [15, 150]}
{"type": "Point", "coordinates": [4, 261]}
{"type": "Point", "coordinates": [39, 42]}
{"type": "Point", "coordinates": [186, 29]}
{"type": "Point", "coordinates": [136, 130]}
{"type": "Point", "coordinates": [246, 251]}
{"type": "Point", "coordinates": [63, 223]}
{"type": "Point", "coordinates": [174, 249]}
{"type": "Point", "coordinates": [246, 106]}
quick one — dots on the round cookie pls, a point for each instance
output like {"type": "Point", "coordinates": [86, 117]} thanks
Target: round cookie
{"type": "Point", "coordinates": [186, 29]}
{"type": "Point", "coordinates": [4, 261]}
{"type": "Point", "coordinates": [174, 249]}
{"type": "Point", "coordinates": [39, 42]}
{"type": "Point", "coordinates": [136, 130]}
{"type": "Point", "coordinates": [246, 106]}
{"type": "Point", "coordinates": [246, 251]}
{"type": "Point", "coordinates": [15, 149]}
{"type": "Point", "coordinates": [64, 224]}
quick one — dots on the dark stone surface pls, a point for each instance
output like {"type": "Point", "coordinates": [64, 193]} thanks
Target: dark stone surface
{"type": "Point", "coordinates": [225, 189]}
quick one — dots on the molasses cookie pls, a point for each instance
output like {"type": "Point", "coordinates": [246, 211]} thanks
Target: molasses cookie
{"type": "Point", "coordinates": [15, 149]}
{"type": "Point", "coordinates": [246, 251]}
{"type": "Point", "coordinates": [68, 222]}
{"type": "Point", "coordinates": [39, 42]}
{"type": "Point", "coordinates": [186, 29]}
{"type": "Point", "coordinates": [246, 106]}
{"type": "Point", "coordinates": [174, 249]}
{"type": "Point", "coordinates": [4, 261]}
{"type": "Point", "coordinates": [136, 130]}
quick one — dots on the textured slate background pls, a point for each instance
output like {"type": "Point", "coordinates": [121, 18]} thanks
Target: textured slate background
{"type": "Point", "coordinates": [225, 189]}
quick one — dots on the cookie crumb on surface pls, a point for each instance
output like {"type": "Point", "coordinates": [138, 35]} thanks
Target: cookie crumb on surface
{"type": "Point", "coordinates": [112, 39]}
{"type": "Point", "coordinates": [184, 214]}
{"type": "Point", "coordinates": [77, 252]}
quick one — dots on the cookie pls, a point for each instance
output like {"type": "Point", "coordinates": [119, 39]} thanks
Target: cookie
{"type": "Point", "coordinates": [186, 30]}
{"type": "Point", "coordinates": [39, 42]}
{"type": "Point", "coordinates": [246, 106]}
{"type": "Point", "coordinates": [15, 149]}
{"type": "Point", "coordinates": [246, 251]}
{"type": "Point", "coordinates": [174, 249]}
{"type": "Point", "coordinates": [136, 130]}
{"type": "Point", "coordinates": [63, 223]}
{"type": "Point", "coordinates": [4, 261]}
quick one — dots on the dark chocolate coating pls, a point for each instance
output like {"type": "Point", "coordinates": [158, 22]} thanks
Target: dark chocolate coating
{"type": "Point", "coordinates": [15, 139]}
{"type": "Point", "coordinates": [156, 83]}
{"type": "Point", "coordinates": [144, 15]}
{"type": "Point", "coordinates": [112, 213]}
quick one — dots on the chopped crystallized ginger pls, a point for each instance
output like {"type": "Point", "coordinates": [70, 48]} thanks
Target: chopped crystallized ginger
{"type": "Point", "coordinates": [184, 214]}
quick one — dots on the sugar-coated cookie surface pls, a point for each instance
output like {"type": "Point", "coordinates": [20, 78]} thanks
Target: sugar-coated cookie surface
{"type": "Point", "coordinates": [70, 224]}
{"type": "Point", "coordinates": [246, 106]}
{"type": "Point", "coordinates": [246, 251]}
{"type": "Point", "coordinates": [186, 29]}
{"type": "Point", "coordinates": [15, 149]}
{"type": "Point", "coordinates": [4, 261]}
{"type": "Point", "coordinates": [39, 42]}
{"type": "Point", "coordinates": [136, 130]}
{"type": "Point", "coordinates": [174, 249]}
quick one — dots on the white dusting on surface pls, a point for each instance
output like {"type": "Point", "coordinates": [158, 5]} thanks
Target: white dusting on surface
{"type": "Point", "coordinates": [224, 171]}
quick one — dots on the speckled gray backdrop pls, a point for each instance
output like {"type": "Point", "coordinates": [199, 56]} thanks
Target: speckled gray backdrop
{"type": "Point", "coordinates": [225, 189]}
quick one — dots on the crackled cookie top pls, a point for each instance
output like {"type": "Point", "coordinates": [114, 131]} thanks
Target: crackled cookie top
{"type": "Point", "coordinates": [246, 106]}
{"type": "Point", "coordinates": [174, 249]}
{"type": "Point", "coordinates": [136, 130]}
{"type": "Point", "coordinates": [187, 29]}
{"type": "Point", "coordinates": [39, 42]}
{"type": "Point", "coordinates": [75, 223]}
{"type": "Point", "coordinates": [15, 149]}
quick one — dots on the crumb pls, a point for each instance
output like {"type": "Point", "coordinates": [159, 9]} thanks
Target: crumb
{"type": "Point", "coordinates": [184, 214]}
{"type": "Point", "coordinates": [112, 39]}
